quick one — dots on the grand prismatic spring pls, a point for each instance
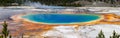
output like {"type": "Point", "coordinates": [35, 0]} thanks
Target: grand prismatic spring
{"type": "Point", "coordinates": [61, 18]}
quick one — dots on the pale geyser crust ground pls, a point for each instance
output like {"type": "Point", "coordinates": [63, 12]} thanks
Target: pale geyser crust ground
{"type": "Point", "coordinates": [29, 28]}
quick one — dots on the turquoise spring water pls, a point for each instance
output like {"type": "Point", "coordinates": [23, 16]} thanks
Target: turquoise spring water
{"type": "Point", "coordinates": [61, 18]}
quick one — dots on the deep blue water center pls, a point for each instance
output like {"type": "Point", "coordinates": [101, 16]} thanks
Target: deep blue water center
{"type": "Point", "coordinates": [61, 18]}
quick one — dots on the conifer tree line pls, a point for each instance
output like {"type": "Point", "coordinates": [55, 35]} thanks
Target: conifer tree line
{"type": "Point", "coordinates": [54, 2]}
{"type": "Point", "coordinates": [68, 2]}
{"type": "Point", "coordinates": [9, 2]}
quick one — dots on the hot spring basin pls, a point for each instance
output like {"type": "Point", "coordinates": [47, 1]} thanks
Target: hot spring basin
{"type": "Point", "coordinates": [61, 18]}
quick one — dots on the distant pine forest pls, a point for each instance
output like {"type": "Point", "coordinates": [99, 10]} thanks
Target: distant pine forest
{"type": "Point", "coordinates": [76, 3]}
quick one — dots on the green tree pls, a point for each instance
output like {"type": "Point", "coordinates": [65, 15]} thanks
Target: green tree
{"type": "Point", "coordinates": [101, 35]}
{"type": "Point", "coordinates": [115, 35]}
{"type": "Point", "coordinates": [5, 31]}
